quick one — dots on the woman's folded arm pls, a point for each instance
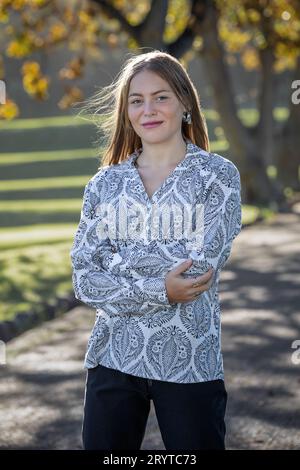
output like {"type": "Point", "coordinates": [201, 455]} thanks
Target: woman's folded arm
{"type": "Point", "coordinates": [93, 282]}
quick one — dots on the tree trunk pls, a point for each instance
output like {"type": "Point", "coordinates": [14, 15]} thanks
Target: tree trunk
{"type": "Point", "coordinates": [246, 144]}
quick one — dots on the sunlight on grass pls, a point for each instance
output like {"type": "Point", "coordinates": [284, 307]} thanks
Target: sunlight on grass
{"type": "Point", "coordinates": [44, 183]}
{"type": "Point", "coordinates": [32, 277]}
{"type": "Point", "coordinates": [53, 155]}
{"type": "Point", "coordinates": [219, 146]}
{"type": "Point", "coordinates": [252, 213]}
{"type": "Point", "coordinates": [211, 114]}
{"type": "Point", "coordinates": [249, 117]}
{"type": "Point", "coordinates": [35, 234]}
{"type": "Point", "coordinates": [37, 123]}
{"type": "Point", "coordinates": [45, 205]}
{"type": "Point", "coordinates": [249, 214]}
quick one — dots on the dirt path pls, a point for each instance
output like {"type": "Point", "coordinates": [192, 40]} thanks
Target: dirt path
{"type": "Point", "coordinates": [42, 384]}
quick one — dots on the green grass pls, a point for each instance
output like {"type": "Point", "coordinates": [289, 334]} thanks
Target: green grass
{"type": "Point", "coordinates": [36, 234]}
{"type": "Point", "coordinates": [44, 166]}
{"type": "Point", "coordinates": [43, 183]}
{"type": "Point", "coordinates": [251, 214]}
{"type": "Point", "coordinates": [39, 123]}
{"type": "Point", "coordinates": [249, 117]}
{"type": "Point", "coordinates": [31, 212]}
{"type": "Point", "coordinates": [30, 205]}
{"type": "Point", "coordinates": [33, 276]}
{"type": "Point", "coordinates": [11, 158]}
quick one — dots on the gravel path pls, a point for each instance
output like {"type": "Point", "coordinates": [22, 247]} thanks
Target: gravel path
{"type": "Point", "coordinates": [42, 383]}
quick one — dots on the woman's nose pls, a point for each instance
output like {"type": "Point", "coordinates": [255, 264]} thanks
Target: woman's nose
{"type": "Point", "coordinates": [148, 107]}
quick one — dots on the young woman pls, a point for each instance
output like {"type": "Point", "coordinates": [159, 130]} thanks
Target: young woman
{"type": "Point", "coordinates": [151, 276]}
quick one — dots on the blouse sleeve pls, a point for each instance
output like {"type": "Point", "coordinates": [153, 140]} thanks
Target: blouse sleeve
{"type": "Point", "coordinates": [222, 220]}
{"type": "Point", "coordinates": [93, 283]}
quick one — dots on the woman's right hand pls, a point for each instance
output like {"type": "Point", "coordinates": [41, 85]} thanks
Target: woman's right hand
{"type": "Point", "coordinates": [180, 289]}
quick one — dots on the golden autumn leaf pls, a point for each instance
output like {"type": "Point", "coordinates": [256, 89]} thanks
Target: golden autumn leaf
{"type": "Point", "coordinates": [19, 47]}
{"type": "Point", "coordinates": [57, 32]}
{"type": "Point", "coordinates": [250, 59]}
{"type": "Point", "coordinates": [32, 68]}
{"type": "Point", "coordinates": [34, 83]}
{"type": "Point", "coordinates": [37, 3]}
{"type": "Point", "coordinates": [9, 110]}
{"type": "Point", "coordinates": [18, 4]}
{"type": "Point", "coordinates": [72, 95]}
{"type": "Point", "coordinates": [73, 69]}
{"type": "Point", "coordinates": [4, 16]}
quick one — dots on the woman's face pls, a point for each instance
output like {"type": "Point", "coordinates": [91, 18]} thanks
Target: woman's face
{"type": "Point", "coordinates": [146, 105]}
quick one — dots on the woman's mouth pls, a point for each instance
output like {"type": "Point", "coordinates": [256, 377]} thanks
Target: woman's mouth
{"type": "Point", "coordinates": [150, 125]}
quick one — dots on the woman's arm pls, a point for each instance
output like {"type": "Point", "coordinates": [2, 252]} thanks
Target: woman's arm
{"type": "Point", "coordinates": [93, 282]}
{"type": "Point", "coordinates": [222, 220]}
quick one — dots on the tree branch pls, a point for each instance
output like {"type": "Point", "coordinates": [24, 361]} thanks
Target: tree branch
{"type": "Point", "coordinates": [112, 12]}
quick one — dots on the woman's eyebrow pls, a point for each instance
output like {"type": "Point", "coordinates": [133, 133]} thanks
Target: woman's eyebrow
{"type": "Point", "coordinates": [154, 93]}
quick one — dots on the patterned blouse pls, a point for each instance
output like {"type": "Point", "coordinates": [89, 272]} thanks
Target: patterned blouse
{"type": "Point", "coordinates": [122, 275]}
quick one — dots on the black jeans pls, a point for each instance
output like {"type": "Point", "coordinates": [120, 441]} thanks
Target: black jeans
{"type": "Point", "coordinates": [117, 405]}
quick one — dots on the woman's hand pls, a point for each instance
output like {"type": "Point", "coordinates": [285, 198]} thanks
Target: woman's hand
{"type": "Point", "coordinates": [180, 289]}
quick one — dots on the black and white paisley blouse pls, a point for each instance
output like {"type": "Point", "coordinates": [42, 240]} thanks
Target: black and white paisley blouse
{"type": "Point", "coordinates": [137, 330]}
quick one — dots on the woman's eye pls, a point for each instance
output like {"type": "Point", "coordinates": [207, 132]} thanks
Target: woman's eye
{"type": "Point", "coordinates": [133, 102]}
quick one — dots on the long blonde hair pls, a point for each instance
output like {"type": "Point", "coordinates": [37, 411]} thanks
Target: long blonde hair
{"type": "Point", "coordinates": [108, 107]}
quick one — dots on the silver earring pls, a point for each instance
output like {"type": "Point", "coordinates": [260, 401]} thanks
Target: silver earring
{"type": "Point", "coordinates": [187, 117]}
